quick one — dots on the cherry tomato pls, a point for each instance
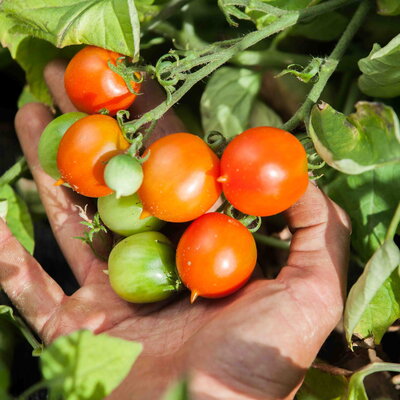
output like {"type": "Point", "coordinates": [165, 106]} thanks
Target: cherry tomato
{"type": "Point", "coordinates": [264, 171]}
{"type": "Point", "coordinates": [123, 215]}
{"type": "Point", "coordinates": [92, 85]}
{"type": "Point", "coordinates": [179, 178]}
{"type": "Point", "coordinates": [50, 140]}
{"type": "Point", "coordinates": [215, 256]}
{"type": "Point", "coordinates": [84, 150]}
{"type": "Point", "coordinates": [142, 268]}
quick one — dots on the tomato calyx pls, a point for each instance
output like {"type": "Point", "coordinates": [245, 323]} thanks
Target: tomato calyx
{"type": "Point", "coordinates": [128, 72]}
{"type": "Point", "coordinates": [251, 222]}
{"type": "Point", "coordinates": [216, 141]}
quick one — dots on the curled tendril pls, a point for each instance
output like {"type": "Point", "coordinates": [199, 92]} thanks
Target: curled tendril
{"type": "Point", "coordinates": [315, 161]}
{"type": "Point", "coordinates": [216, 141]}
{"type": "Point", "coordinates": [164, 69]}
{"type": "Point", "coordinates": [251, 222]}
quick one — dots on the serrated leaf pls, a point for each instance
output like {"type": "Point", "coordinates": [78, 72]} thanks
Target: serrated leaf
{"type": "Point", "coordinates": [319, 385]}
{"type": "Point", "coordinates": [356, 390]}
{"type": "Point", "coordinates": [388, 7]}
{"type": "Point", "coordinates": [228, 99]}
{"type": "Point", "coordinates": [370, 199]}
{"type": "Point", "coordinates": [87, 366]}
{"type": "Point", "coordinates": [362, 141]}
{"type": "Point", "coordinates": [262, 115]}
{"type": "Point", "coordinates": [18, 218]}
{"type": "Point", "coordinates": [110, 24]}
{"type": "Point", "coordinates": [381, 73]}
{"type": "Point", "coordinates": [378, 269]}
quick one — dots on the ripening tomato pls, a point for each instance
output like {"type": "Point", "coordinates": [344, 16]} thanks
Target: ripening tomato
{"type": "Point", "coordinates": [264, 171]}
{"type": "Point", "coordinates": [215, 256]}
{"type": "Point", "coordinates": [92, 85]}
{"type": "Point", "coordinates": [179, 178]}
{"type": "Point", "coordinates": [84, 150]}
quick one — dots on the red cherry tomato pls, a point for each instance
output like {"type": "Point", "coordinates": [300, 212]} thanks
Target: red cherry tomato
{"type": "Point", "coordinates": [264, 171]}
{"type": "Point", "coordinates": [85, 148]}
{"type": "Point", "coordinates": [179, 178]}
{"type": "Point", "coordinates": [92, 85]}
{"type": "Point", "coordinates": [215, 256]}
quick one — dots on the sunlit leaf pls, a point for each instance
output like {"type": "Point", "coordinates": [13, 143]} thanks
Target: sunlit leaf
{"type": "Point", "coordinates": [381, 73]}
{"type": "Point", "coordinates": [362, 300]}
{"type": "Point", "coordinates": [18, 218]}
{"type": "Point", "coordinates": [362, 141]}
{"type": "Point", "coordinates": [87, 366]}
{"type": "Point", "coordinates": [388, 7]}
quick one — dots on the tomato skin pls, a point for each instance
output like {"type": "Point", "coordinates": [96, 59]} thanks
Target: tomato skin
{"type": "Point", "coordinates": [92, 85]}
{"type": "Point", "coordinates": [264, 171]}
{"type": "Point", "coordinates": [122, 215]}
{"type": "Point", "coordinates": [50, 140]}
{"type": "Point", "coordinates": [85, 148]}
{"type": "Point", "coordinates": [215, 256]}
{"type": "Point", "coordinates": [180, 176]}
{"type": "Point", "coordinates": [142, 268]}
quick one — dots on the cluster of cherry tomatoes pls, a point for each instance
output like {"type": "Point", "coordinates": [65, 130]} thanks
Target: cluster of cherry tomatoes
{"type": "Point", "coordinates": [262, 171]}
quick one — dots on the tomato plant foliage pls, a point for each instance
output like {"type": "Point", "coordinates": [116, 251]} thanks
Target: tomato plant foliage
{"type": "Point", "coordinates": [346, 58]}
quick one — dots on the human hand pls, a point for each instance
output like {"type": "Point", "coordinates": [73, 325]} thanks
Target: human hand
{"type": "Point", "coordinates": [255, 344]}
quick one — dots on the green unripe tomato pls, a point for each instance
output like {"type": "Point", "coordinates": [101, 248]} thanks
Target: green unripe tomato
{"type": "Point", "coordinates": [123, 174]}
{"type": "Point", "coordinates": [50, 140]}
{"type": "Point", "coordinates": [142, 268]}
{"type": "Point", "coordinates": [122, 215]}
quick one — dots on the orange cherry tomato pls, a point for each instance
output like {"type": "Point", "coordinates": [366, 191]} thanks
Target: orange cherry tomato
{"type": "Point", "coordinates": [85, 148]}
{"type": "Point", "coordinates": [92, 85]}
{"type": "Point", "coordinates": [215, 256]}
{"type": "Point", "coordinates": [264, 171]}
{"type": "Point", "coordinates": [179, 178]}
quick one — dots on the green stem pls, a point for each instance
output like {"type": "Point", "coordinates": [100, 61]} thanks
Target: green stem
{"type": "Point", "coordinates": [271, 241]}
{"type": "Point", "coordinates": [14, 172]}
{"type": "Point", "coordinates": [329, 66]}
{"type": "Point", "coordinates": [352, 96]}
{"type": "Point", "coordinates": [29, 336]}
{"type": "Point", "coordinates": [394, 223]}
{"type": "Point", "coordinates": [33, 389]}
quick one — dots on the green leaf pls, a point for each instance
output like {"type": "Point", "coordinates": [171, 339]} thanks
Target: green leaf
{"type": "Point", "coordinates": [370, 199]}
{"type": "Point", "coordinates": [110, 24]}
{"type": "Point", "coordinates": [177, 391]}
{"type": "Point", "coordinates": [319, 385]}
{"type": "Point", "coordinates": [356, 389]}
{"type": "Point", "coordinates": [7, 343]}
{"type": "Point", "coordinates": [325, 27]}
{"type": "Point", "coordinates": [388, 7]}
{"type": "Point", "coordinates": [360, 142]}
{"type": "Point", "coordinates": [18, 218]}
{"type": "Point", "coordinates": [262, 115]}
{"type": "Point", "coordinates": [262, 19]}
{"type": "Point", "coordinates": [14, 172]}
{"type": "Point", "coordinates": [381, 73]}
{"type": "Point", "coordinates": [362, 300]}
{"type": "Point", "coordinates": [304, 74]}
{"type": "Point", "coordinates": [228, 99]}
{"type": "Point", "coordinates": [87, 366]}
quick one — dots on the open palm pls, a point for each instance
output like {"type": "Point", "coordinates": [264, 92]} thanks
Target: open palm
{"type": "Point", "coordinates": [256, 344]}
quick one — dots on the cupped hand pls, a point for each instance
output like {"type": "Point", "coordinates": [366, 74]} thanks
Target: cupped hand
{"type": "Point", "coordinates": [255, 344]}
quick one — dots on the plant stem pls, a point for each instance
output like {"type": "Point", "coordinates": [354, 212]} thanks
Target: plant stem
{"type": "Point", "coordinates": [352, 97]}
{"type": "Point", "coordinates": [33, 389]}
{"type": "Point", "coordinates": [329, 66]}
{"type": "Point", "coordinates": [29, 336]}
{"type": "Point", "coordinates": [394, 223]}
{"type": "Point", "coordinates": [271, 241]}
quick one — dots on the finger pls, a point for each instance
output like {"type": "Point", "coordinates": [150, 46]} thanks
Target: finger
{"type": "Point", "coordinates": [59, 202]}
{"type": "Point", "coordinates": [54, 76]}
{"type": "Point", "coordinates": [28, 286]}
{"type": "Point", "coordinates": [317, 265]}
